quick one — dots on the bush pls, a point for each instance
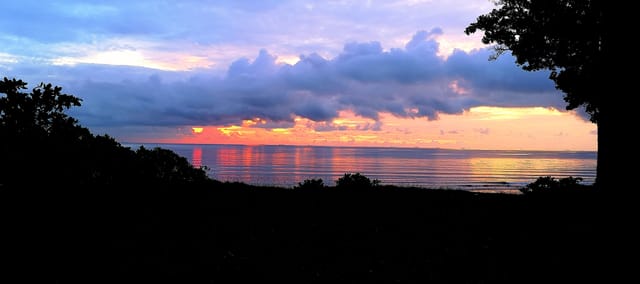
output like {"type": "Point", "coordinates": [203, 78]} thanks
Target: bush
{"type": "Point", "coordinates": [310, 184]}
{"type": "Point", "coordinates": [354, 181]}
{"type": "Point", "coordinates": [550, 184]}
{"type": "Point", "coordinates": [163, 165]}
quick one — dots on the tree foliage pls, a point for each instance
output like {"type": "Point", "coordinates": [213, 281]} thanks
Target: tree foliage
{"type": "Point", "coordinates": [355, 181]}
{"type": "Point", "coordinates": [36, 114]}
{"type": "Point", "coordinates": [579, 43]}
{"type": "Point", "coordinates": [41, 144]}
{"type": "Point", "coordinates": [310, 184]}
{"type": "Point", "coordinates": [165, 165]}
{"type": "Point", "coordinates": [550, 184]}
{"type": "Point", "coordinates": [564, 36]}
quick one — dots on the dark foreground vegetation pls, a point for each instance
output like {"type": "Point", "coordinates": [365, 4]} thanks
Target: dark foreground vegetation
{"type": "Point", "coordinates": [235, 233]}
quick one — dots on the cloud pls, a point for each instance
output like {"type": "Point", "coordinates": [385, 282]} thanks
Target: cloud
{"type": "Point", "coordinates": [38, 28]}
{"type": "Point", "coordinates": [324, 126]}
{"type": "Point", "coordinates": [410, 82]}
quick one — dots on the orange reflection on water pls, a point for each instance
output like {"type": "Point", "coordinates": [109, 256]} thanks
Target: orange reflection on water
{"type": "Point", "coordinates": [299, 158]}
{"type": "Point", "coordinates": [227, 156]}
{"type": "Point", "coordinates": [522, 169]}
{"type": "Point", "coordinates": [279, 157]}
{"type": "Point", "coordinates": [496, 169]}
{"type": "Point", "coordinates": [233, 158]}
{"type": "Point", "coordinates": [196, 157]}
{"type": "Point", "coordinates": [247, 155]}
{"type": "Point", "coordinates": [247, 161]}
{"type": "Point", "coordinates": [343, 160]}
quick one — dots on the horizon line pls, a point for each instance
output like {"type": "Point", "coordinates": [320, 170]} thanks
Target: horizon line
{"type": "Point", "coordinates": [358, 146]}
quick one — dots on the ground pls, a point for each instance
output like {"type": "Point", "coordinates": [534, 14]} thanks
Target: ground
{"type": "Point", "coordinates": [235, 233]}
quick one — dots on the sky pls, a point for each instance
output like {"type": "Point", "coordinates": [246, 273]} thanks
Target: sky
{"type": "Point", "coordinates": [331, 73]}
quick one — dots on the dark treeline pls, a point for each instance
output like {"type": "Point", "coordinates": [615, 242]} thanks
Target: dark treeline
{"type": "Point", "coordinates": [41, 144]}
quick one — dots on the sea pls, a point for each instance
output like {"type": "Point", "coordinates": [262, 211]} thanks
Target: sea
{"type": "Point", "coordinates": [503, 171]}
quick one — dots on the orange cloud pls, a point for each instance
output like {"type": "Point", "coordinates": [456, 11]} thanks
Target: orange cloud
{"type": "Point", "coordinates": [478, 128]}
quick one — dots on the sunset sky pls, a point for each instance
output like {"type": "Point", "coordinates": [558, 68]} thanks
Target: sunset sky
{"type": "Point", "coordinates": [356, 73]}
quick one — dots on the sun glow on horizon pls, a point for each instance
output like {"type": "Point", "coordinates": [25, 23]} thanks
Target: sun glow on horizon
{"type": "Point", "coordinates": [501, 113]}
{"type": "Point", "coordinates": [490, 128]}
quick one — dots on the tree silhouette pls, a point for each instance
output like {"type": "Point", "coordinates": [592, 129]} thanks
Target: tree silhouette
{"type": "Point", "coordinates": [40, 144]}
{"type": "Point", "coordinates": [569, 38]}
{"type": "Point", "coordinates": [164, 165]}
{"type": "Point", "coordinates": [36, 114]}
{"type": "Point", "coordinates": [310, 184]}
{"type": "Point", "coordinates": [36, 133]}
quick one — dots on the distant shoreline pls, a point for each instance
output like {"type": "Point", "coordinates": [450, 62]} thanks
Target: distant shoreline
{"type": "Point", "coordinates": [126, 144]}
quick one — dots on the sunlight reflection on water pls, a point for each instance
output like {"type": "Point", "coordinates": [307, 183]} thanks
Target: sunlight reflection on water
{"type": "Point", "coordinates": [436, 168]}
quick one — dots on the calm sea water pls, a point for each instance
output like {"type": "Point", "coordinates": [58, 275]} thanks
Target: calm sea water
{"type": "Point", "coordinates": [435, 168]}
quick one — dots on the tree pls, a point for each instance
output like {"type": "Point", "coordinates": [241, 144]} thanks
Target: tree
{"type": "Point", "coordinates": [37, 113]}
{"type": "Point", "coordinates": [40, 144]}
{"type": "Point", "coordinates": [572, 40]}
{"type": "Point", "coordinates": [35, 131]}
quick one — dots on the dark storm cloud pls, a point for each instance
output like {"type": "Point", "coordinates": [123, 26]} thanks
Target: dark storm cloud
{"type": "Point", "coordinates": [366, 79]}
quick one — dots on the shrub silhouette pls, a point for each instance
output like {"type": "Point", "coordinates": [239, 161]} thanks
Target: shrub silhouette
{"type": "Point", "coordinates": [354, 181]}
{"type": "Point", "coordinates": [310, 184]}
{"type": "Point", "coordinates": [550, 184]}
{"type": "Point", "coordinates": [36, 131]}
{"type": "Point", "coordinates": [165, 165]}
